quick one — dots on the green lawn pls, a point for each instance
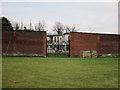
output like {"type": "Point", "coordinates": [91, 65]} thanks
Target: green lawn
{"type": "Point", "coordinates": [58, 54]}
{"type": "Point", "coordinates": [36, 72]}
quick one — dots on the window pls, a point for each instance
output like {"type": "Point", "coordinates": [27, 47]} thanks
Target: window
{"type": "Point", "coordinates": [55, 39]}
{"type": "Point", "coordinates": [58, 39]}
{"type": "Point", "coordinates": [50, 46]}
{"type": "Point", "coordinates": [51, 39]}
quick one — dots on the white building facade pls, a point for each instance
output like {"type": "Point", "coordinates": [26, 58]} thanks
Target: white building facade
{"type": "Point", "coordinates": [58, 43]}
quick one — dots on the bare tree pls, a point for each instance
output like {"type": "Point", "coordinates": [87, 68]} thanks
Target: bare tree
{"type": "Point", "coordinates": [25, 28]}
{"type": "Point", "coordinates": [73, 28]}
{"type": "Point", "coordinates": [21, 25]}
{"type": "Point", "coordinates": [58, 27]}
{"type": "Point", "coordinates": [16, 26]}
{"type": "Point", "coordinates": [35, 28]}
{"type": "Point", "coordinates": [69, 29]}
{"type": "Point", "coordinates": [41, 26]}
{"type": "Point", "coordinates": [30, 25]}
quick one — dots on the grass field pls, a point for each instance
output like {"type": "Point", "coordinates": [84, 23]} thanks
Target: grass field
{"type": "Point", "coordinates": [58, 54]}
{"type": "Point", "coordinates": [36, 72]}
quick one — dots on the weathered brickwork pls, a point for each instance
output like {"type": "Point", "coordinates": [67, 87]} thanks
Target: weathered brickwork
{"type": "Point", "coordinates": [83, 42]}
{"type": "Point", "coordinates": [102, 43]}
{"type": "Point", "coordinates": [24, 43]}
{"type": "Point", "coordinates": [108, 44]}
{"type": "Point", "coordinates": [31, 43]}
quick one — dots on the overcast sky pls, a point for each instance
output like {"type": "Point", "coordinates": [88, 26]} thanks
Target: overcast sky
{"type": "Point", "coordinates": [99, 17]}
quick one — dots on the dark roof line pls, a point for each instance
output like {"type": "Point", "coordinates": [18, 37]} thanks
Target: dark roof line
{"type": "Point", "coordinates": [54, 35]}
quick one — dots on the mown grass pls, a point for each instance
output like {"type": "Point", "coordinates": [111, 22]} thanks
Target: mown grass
{"type": "Point", "coordinates": [36, 72]}
{"type": "Point", "coordinates": [58, 54]}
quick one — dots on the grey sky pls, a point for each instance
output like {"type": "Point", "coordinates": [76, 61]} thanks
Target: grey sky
{"type": "Point", "coordinates": [100, 17]}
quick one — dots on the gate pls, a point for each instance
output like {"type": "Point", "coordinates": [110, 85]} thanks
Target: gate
{"type": "Point", "coordinates": [57, 46]}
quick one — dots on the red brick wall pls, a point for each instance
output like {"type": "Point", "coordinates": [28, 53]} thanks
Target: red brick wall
{"type": "Point", "coordinates": [6, 37]}
{"type": "Point", "coordinates": [23, 43]}
{"type": "Point", "coordinates": [108, 44]}
{"type": "Point", "coordinates": [102, 43]}
{"type": "Point", "coordinates": [83, 42]}
{"type": "Point", "coordinates": [44, 44]}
